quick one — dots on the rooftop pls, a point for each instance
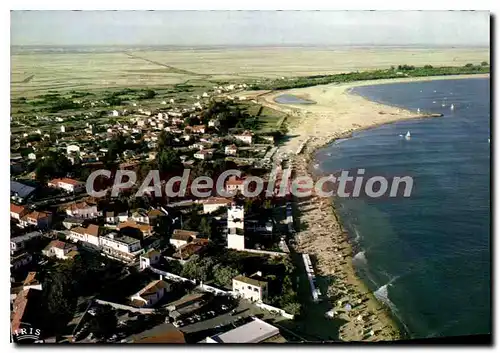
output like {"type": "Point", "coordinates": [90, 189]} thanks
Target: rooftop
{"type": "Point", "coordinates": [21, 189]}
{"type": "Point", "coordinates": [181, 234]}
{"type": "Point", "coordinates": [254, 280]}
{"type": "Point", "coordinates": [254, 332]}
{"type": "Point", "coordinates": [65, 181]}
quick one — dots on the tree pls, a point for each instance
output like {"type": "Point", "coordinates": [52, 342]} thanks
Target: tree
{"type": "Point", "coordinates": [293, 308]}
{"type": "Point", "coordinates": [484, 63]}
{"type": "Point", "coordinates": [198, 268]}
{"type": "Point", "coordinates": [205, 227]}
{"type": "Point", "coordinates": [103, 324]}
{"type": "Point", "coordinates": [168, 159]}
{"type": "Point", "coordinates": [469, 65]}
{"type": "Point", "coordinates": [223, 275]}
{"type": "Point", "coordinates": [55, 165]}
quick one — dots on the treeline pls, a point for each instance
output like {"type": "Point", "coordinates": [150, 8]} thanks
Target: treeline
{"type": "Point", "coordinates": [393, 72]}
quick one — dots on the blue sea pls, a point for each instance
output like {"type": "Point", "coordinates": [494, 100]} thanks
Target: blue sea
{"type": "Point", "coordinates": [427, 256]}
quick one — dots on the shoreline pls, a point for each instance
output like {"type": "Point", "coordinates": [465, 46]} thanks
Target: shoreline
{"type": "Point", "coordinates": [326, 238]}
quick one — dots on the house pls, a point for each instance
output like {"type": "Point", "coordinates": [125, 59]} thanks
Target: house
{"type": "Point", "coordinates": [181, 237]}
{"type": "Point", "coordinates": [214, 123]}
{"type": "Point", "coordinates": [233, 184]}
{"type": "Point", "coordinates": [115, 113]}
{"type": "Point", "coordinates": [70, 222]}
{"type": "Point", "coordinates": [67, 184]}
{"type": "Point", "coordinates": [152, 257]}
{"type": "Point", "coordinates": [198, 129]}
{"type": "Point", "coordinates": [245, 137]}
{"type": "Point", "coordinates": [253, 288]}
{"type": "Point", "coordinates": [60, 250]}
{"type": "Point", "coordinates": [151, 294]}
{"type": "Point", "coordinates": [203, 155]}
{"type": "Point", "coordinates": [154, 215]}
{"type": "Point", "coordinates": [231, 150]}
{"type": "Point", "coordinates": [37, 218]}
{"type": "Point", "coordinates": [140, 216]}
{"type": "Point", "coordinates": [145, 229]}
{"type": "Point", "coordinates": [212, 204]}
{"type": "Point", "coordinates": [20, 192]}
{"type": "Point", "coordinates": [112, 217]}
{"type": "Point", "coordinates": [19, 243]}
{"type": "Point", "coordinates": [195, 247]}
{"type": "Point", "coordinates": [32, 156]}
{"type": "Point", "coordinates": [72, 149]}
{"type": "Point", "coordinates": [120, 247]}
{"type": "Point", "coordinates": [17, 212]}
{"type": "Point", "coordinates": [82, 210]}
{"type": "Point", "coordinates": [88, 235]}
{"type": "Point", "coordinates": [256, 331]}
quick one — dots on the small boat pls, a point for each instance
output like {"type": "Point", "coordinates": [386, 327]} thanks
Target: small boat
{"type": "Point", "coordinates": [418, 110]}
{"type": "Point", "coordinates": [452, 107]}
{"type": "Point", "coordinates": [489, 141]}
{"type": "Point", "coordinates": [408, 135]}
{"type": "Point", "coordinates": [443, 105]}
{"type": "Point", "coordinates": [433, 102]}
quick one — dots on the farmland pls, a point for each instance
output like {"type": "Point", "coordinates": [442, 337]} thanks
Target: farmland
{"type": "Point", "coordinates": [37, 72]}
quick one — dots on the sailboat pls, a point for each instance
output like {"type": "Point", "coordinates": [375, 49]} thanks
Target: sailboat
{"type": "Point", "coordinates": [408, 135]}
{"type": "Point", "coordinates": [418, 110]}
{"type": "Point", "coordinates": [452, 107]}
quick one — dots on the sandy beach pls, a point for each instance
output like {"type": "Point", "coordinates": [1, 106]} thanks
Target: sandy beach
{"type": "Point", "coordinates": [336, 114]}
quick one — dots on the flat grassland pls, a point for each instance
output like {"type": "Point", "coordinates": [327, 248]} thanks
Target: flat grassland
{"type": "Point", "coordinates": [36, 73]}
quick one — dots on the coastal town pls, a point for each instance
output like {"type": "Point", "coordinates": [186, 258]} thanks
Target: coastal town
{"type": "Point", "coordinates": [180, 269]}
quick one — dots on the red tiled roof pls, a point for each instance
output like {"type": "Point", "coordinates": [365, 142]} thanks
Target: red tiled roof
{"type": "Point", "coordinates": [17, 209]}
{"type": "Point", "coordinates": [181, 234]}
{"type": "Point", "coordinates": [172, 336]}
{"type": "Point", "coordinates": [65, 181]}
{"type": "Point", "coordinates": [19, 306]}
{"type": "Point", "coordinates": [216, 201]}
{"type": "Point", "coordinates": [37, 215]}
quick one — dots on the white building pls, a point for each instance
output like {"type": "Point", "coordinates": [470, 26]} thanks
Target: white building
{"type": "Point", "coordinates": [235, 239]}
{"type": "Point", "coordinates": [231, 150]}
{"type": "Point", "coordinates": [212, 204]}
{"type": "Point", "coordinates": [67, 184]}
{"type": "Point", "coordinates": [83, 210]}
{"type": "Point", "coordinates": [148, 259]}
{"type": "Point", "coordinates": [115, 113]}
{"type": "Point", "coordinates": [181, 237]}
{"type": "Point", "coordinates": [88, 235]}
{"type": "Point", "coordinates": [120, 247]}
{"type": "Point", "coordinates": [72, 148]}
{"type": "Point", "coordinates": [253, 288]}
{"type": "Point", "coordinates": [245, 137]}
{"type": "Point", "coordinates": [63, 129]}
{"type": "Point", "coordinates": [60, 250]}
{"type": "Point", "coordinates": [149, 295]}
{"type": "Point", "coordinates": [203, 155]}
{"type": "Point", "coordinates": [235, 226]}
{"type": "Point", "coordinates": [235, 216]}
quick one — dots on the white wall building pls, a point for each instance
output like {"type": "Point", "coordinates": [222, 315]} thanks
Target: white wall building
{"type": "Point", "coordinates": [253, 288]}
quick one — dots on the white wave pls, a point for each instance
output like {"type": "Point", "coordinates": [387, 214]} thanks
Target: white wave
{"type": "Point", "coordinates": [382, 294]}
{"type": "Point", "coordinates": [358, 236]}
{"type": "Point", "coordinates": [360, 258]}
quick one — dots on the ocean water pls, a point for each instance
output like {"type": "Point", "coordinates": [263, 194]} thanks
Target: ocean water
{"type": "Point", "coordinates": [427, 256]}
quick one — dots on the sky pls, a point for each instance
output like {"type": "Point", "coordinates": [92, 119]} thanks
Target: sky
{"type": "Point", "coordinates": [252, 28]}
